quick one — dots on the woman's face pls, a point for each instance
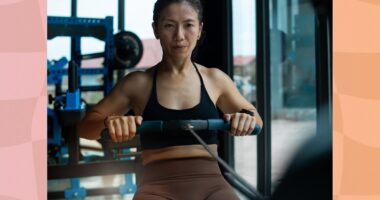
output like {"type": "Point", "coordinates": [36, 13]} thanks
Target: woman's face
{"type": "Point", "coordinates": [178, 30]}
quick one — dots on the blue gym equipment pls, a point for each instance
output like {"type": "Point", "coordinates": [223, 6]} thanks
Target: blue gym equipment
{"type": "Point", "coordinates": [69, 108]}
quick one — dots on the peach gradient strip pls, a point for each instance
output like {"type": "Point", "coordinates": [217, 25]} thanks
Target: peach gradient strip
{"type": "Point", "coordinates": [356, 99]}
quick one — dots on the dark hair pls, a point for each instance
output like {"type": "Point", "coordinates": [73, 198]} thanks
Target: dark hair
{"type": "Point", "coordinates": [162, 4]}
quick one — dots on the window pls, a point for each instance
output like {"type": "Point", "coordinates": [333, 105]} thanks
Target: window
{"type": "Point", "coordinates": [244, 52]}
{"type": "Point", "coordinates": [293, 84]}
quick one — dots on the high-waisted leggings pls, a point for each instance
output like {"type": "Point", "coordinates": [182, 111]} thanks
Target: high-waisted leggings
{"type": "Point", "coordinates": [184, 179]}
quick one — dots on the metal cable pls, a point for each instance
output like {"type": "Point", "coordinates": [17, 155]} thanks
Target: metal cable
{"type": "Point", "coordinates": [243, 182]}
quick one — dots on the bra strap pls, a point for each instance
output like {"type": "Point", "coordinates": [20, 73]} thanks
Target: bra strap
{"type": "Point", "coordinates": [199, 74]}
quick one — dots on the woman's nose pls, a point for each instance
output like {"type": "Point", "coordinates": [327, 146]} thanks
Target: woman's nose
{"type": "Point", "coordinates": [179, 34]}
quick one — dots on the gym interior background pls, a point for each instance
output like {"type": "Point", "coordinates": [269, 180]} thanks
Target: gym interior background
{"type": "Point", "coordinates": [278, 52]}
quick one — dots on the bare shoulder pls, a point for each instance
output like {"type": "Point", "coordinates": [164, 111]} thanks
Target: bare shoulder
{"type": "Point", "coordinates": [139, 76]}
{"type": "Point", "coordinates": [214, 74]}
{"type": "Point", "coordinates": [136, 80]}
{"type": "Point", "coordinates": [130, 89]}
{"type": "Point", "coordinates": [216, 81]}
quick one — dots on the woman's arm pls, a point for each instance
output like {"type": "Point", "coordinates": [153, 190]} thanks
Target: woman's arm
{"type": "Point", "coordinates": [230, 102]}
{"type": "Point", "coordinates": [116, 103]}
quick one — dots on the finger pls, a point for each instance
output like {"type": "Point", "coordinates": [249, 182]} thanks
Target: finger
{"type": "Point", "coordinates": [132, 127]}
{"type": "Point", "coordinates": [125, 129]}
{"type": "Point", "coordinates": [139, 120]}
{"type": "Point", "coordinates": [111, 130]}
{"type": "Point", "coordinates": [235, 123]}
{"type": "Point", "coordinates": [227, 117]}
{"type": "Point", "coordinates": [252, 126]}
{"type": "Point", "coordinates": [247, 125]}
{"type": "Point", "coordinates": [241, 124]}
{"type": "Point", "coordinates": [119, 132]}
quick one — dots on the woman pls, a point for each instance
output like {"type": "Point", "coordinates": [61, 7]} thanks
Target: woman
{"type": "Point", "coordinates": [175, 167]}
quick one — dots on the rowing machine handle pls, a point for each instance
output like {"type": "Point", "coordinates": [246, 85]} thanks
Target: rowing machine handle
{"type": "Point", "coordinates": [182, 125]}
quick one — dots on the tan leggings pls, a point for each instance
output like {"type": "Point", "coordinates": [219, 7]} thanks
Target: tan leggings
{"type": "Point", "coordinates": [184, 179]}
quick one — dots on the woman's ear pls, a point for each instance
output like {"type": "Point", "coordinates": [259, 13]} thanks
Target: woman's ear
{"type": "Point", "coordinates": [155, 30]}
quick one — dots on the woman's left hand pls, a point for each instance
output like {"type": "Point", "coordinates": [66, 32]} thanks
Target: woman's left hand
{"type": "Point", "coordinates": [241, 123]}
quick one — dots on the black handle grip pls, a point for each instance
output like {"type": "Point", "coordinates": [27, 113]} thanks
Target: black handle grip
{"type": "Point", "coordinates": [182, 125]}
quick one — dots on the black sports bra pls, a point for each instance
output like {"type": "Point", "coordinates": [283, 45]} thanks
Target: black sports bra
{"type": "Point", "coordinates": [154, 111]}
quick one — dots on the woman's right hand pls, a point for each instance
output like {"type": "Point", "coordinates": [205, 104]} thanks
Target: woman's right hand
{"type": "Point", "coordinates": [122, 128]}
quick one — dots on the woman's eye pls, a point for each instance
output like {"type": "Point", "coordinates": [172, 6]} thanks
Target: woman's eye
{"type": "Point", "coordinates": [168, 25]}
{"type": "Point", "coordinates": [189, 25]}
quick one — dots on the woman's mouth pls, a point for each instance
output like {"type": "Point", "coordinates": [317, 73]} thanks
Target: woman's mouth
{"type": "Point", "coordinates": [179, 46]}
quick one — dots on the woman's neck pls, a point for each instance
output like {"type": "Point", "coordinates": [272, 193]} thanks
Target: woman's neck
{"type": "Point", "coordinates": [176, 66]}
